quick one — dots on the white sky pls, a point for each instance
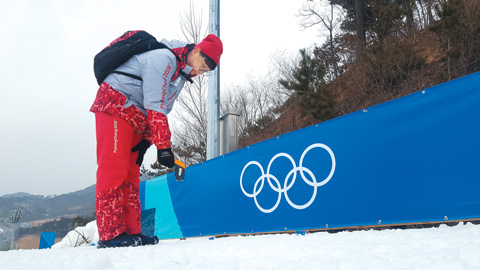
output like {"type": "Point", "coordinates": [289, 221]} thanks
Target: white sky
{"type": "Point", "coordinates": [47, 84]}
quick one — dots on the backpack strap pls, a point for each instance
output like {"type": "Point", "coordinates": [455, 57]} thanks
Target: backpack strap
{"type": "Point", "coordinates": [128, 75]}
{"type": "Point", "coordinates": [161, 46]}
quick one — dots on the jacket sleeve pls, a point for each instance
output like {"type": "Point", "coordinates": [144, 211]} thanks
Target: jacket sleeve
{"type": "Point", "coordinates": [159, 131]}
{"type": "Point", "coordinates": [147, 135]}
{"type": "Point", "coordinates": [157, 67]}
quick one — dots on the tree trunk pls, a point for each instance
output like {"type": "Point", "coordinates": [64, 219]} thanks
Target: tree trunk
{"type": "Point", "coordinates": [360, 26]}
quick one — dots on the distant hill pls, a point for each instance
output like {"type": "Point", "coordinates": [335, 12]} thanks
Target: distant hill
{"type": "Point", "coordinates": [78, 203]}
{"type": "Point", "coordinates": [16, 195]}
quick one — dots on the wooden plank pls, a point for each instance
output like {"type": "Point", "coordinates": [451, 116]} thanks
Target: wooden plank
{"type": "Point", "coordinates": [414, 225]}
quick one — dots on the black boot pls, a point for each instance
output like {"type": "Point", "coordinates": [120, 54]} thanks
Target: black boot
{"type": "Point", "coordinates": [122, 240]}
{"type": "Point", "coordinates": [147, 240]}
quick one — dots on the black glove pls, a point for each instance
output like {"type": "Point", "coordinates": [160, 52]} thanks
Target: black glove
{"type": "Point", "coordinates": [141, 147]}
{"type": "Point", "coordinates": [165, 157]}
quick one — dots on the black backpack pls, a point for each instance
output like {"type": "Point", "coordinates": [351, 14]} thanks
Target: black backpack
{"type": "Point", "coordinates": [122, 49]}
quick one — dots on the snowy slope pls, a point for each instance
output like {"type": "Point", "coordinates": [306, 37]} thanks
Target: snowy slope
{"type": "Point", "coordinates": [445, 247]}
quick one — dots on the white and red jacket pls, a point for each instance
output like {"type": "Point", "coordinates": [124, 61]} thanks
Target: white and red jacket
{"type": "Point", "coordinates": [145, 104]}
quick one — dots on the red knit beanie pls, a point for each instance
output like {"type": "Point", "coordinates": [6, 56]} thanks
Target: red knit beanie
{"type": "Point", "coordinates": [212, 46]}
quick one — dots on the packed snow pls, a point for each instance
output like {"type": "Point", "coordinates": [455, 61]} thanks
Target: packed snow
{"type": "Point", "coordinates": [445, 247]}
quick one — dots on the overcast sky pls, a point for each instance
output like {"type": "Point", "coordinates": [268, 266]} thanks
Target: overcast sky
{"type": "Point", "coordinates": [47, 82]}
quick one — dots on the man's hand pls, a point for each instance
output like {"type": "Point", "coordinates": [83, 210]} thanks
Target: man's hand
{"type": "Point", "coordinates": [141, 147]}
{"type": "Point", "coordinates": [165, 157]}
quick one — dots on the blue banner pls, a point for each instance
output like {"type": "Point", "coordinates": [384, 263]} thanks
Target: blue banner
{"type": "Point", "coordinates": [413, 159]}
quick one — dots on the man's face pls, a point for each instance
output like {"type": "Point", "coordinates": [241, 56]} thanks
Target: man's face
{"type": "Point", "coordinates": [197, 62]}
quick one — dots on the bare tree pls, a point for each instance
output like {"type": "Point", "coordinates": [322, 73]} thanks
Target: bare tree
{"type": "Point", "coordinates": [256, 102]}
{"type": "Point", "coordinates": [191, 25]}
{"type": "Point", "coordinates": [189, 121]}
{"type": "Point", "coordinates": [190, 131]}
{"type": "Point", "coordinates": [260, 101]}
{"type": "Point", "coordinates": [327, 16]}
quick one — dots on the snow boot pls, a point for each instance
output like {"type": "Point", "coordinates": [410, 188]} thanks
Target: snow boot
{"type": "Point", "coordinates": [147, 240]}
{"type": "Point", "coordinates": [122, 240]}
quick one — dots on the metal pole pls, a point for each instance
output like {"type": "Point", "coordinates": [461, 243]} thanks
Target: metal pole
{"type": "Point", "coordinates": [15, 216]}
{"type": "Point", "coordinates": [213, 128]}
{"type": "Point", "coordinates": [12, 228]}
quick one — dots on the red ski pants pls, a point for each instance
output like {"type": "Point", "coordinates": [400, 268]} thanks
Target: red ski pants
{"type": "Point", "coordinates": [117, 191]}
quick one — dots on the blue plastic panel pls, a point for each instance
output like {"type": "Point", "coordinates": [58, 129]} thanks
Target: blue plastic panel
{"type": "Point", "coordinates": [155, 194]}
{"type": "Point", "coordinates": [47, 239]}
{"type": "Point", "coordinates": [413, 159]}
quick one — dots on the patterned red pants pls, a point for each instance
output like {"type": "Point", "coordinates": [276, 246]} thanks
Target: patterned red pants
{"type": "Point", "coordinates": [117, 192]}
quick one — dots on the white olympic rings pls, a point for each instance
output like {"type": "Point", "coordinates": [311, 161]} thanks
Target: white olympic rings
{"type": "Point", "coordinates": [287, 186]}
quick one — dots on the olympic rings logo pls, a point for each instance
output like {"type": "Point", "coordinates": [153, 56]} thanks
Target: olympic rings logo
{"type": "Point", "coordinates": [276, 186]}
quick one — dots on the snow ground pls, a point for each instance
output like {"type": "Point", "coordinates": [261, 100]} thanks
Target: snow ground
{"type": "Point", "coordinates": [456, 247]}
